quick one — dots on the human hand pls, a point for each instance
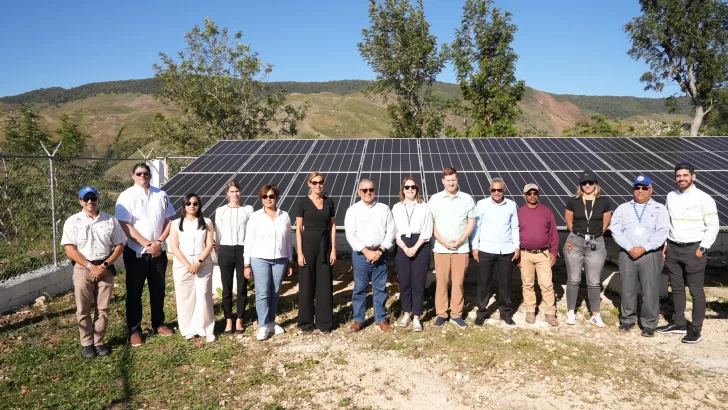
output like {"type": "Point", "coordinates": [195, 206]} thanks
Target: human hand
{"type": "Point", "coordinates": [411, 252]}
{"type": "Point", "coordinates": [194, 268]}
{"type": "Point", "coordinates": [699, 253]}
{"type": "Point", "coordinates": [476, 256]}
{"type": "Point", "coordinates": [637, 252]}
{"type": "Point", "coordinates": [248, 273]}
{"type": "Point", "coordinates": [332, 257]}
{"type": "Point", "coordinates": [301, 259]}
{"type": "Point", "coordinates": [516, 255]}
{"type": "Point", "coordinates": [290, 269]}
{"type": "Point", "coordinates": [154, 248]}
{"type": "Point", "coordinates": [453, 244]}
{"type": "Point", "coordinates": [553, 259]}
{"type": "Point", "coordinates": [664, 253]}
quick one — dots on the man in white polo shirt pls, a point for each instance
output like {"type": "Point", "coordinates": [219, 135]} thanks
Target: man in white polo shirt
{"type": "Point", "coordinates": [693, 229]}
{"type": "Point", "coordinates": [144, 213]}
{"type": "Point", "coordinates": [93, 240]}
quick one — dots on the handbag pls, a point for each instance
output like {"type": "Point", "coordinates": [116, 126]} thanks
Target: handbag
{"type": "Point", "coordinates": [213, 256]}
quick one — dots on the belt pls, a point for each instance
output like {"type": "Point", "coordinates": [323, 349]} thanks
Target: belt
{"type": "Point", "coordinates": [535, 250]}
{"type": "Point", "coordinates": [583, 234]}
{"type": "Point", "coordinates": [682, 244]}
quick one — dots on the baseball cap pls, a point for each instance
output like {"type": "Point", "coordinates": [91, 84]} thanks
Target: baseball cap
{"type": "Point", "coordinates": [529, 187]}
{"type": "Point", "coordinates": [87, 190]}
{"type": "Point", "coordinates": [587, 175]}
{"type": "Point", "coordinates": [642, 180]}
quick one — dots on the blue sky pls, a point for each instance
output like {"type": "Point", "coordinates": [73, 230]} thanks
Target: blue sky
{"type": "Point", "coordinates": [565, 46]}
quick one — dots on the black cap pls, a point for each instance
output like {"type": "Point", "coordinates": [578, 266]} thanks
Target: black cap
{"type": "Point", "coordinates": [587, 175]}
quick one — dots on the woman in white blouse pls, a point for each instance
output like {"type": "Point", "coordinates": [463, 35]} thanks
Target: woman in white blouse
{"type": "Point", "coordinates": [230, 225]}
{"type": "Point", "coordinates": [192, 238]}
{"type": "Point", "coordinates": [268, 255]}
{"type": "Point", "coordinates": [413, 222]}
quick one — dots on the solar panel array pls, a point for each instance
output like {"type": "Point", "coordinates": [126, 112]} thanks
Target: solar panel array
{"type": "Point", "coordinates": [552, 163]}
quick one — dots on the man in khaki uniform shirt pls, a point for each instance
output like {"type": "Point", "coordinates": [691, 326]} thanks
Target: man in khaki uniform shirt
{"type": "Point", "coordinates": [93, 240]}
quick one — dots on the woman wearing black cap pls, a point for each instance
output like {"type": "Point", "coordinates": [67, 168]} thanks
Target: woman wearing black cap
{"type": "Point", "coordinates": [587, 217]}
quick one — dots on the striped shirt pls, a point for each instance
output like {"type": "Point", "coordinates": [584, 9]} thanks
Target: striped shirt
{"type": "Point", "coordinates": [693, 217]}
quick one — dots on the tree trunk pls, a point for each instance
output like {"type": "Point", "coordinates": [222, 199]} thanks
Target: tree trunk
{"type": "Point", "coordinates": [697, 120]}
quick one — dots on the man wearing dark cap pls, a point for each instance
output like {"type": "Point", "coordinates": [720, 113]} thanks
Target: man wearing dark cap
{"type": "Point", "coordinates": [93, 240]}
{"type": "Point", "coordinates": [640, 228]}
{"type": "Point", "coordinates": [539, 249]}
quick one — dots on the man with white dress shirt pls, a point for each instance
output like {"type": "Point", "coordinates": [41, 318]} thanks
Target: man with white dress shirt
{"type": "Point", "coordinates": [496, 244]}
{"type": "Point", "coordinates": [144, 213]}
{"type": "Point", "coordinates": [370, 232]}
{"type": "Point", "coordinates": [693, 228]}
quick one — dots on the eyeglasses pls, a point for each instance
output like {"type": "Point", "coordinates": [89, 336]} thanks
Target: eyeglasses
{"type": "Point", "coordinates": [493, 190]}
{"type": "Point", "coordinates": [641, 188]}
{"type": "Point", "coordinates": [267, 197]}
{"type": "Point", "coordinates": [367, 190]}
{"type": "Point", "coordinates": [146, 174]}
{"type": "Point", "coordinates": [90, 198]}
{"type": "Point", "coordinates": [408, 187]}
{"type": "Point", "coordinates": [531, 193]}
{"type": "Point", "coordinates": [314, 183]}
{"type": "Point", "coordinates": [585, 183]}
{"type": "Point", "coordinates": [192, 203]}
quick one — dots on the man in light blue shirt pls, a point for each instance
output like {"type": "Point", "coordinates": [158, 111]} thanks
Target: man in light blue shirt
{"type": "Point", "coordinates": [496, 242]}
{"type": "Point", "coordinates": [640, 228]}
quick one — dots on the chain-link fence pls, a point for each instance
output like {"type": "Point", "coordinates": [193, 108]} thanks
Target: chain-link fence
{"type": "Point", "coordinates": [33, 210]}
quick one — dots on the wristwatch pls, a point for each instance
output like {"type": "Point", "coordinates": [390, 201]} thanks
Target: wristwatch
{"type": "Point", "coordinates": [702, 249]}
{"type": "Point", "coordinates": [201, 261]}
{"type": "Point", "coordinates": [89, 265]}
{"type": "Point", "coordinates": [382, 249]}
{"type": "Point", "coordinates": [106, 264]}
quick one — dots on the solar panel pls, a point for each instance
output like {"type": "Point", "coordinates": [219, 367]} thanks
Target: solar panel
{"type": "Point", "coordinates": [552, 163]}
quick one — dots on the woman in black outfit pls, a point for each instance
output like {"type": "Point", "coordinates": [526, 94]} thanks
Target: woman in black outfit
{"type": "Point", "coordinates": [316, 247]}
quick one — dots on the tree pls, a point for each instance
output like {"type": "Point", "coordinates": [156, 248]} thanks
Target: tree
{"type": "Point", "coordinates": [485, 66]}
{"type": "Point", "coordinates": [400, 49]}
{"type": "Point", "coordinates": [23, 132]}
{"type": "Point", "coordinates": [219, 85]}
{"type": "Point", "coordinates": [716, 123]}
{"type": "Point", "coordinates": [73, 140]}
{"type": "Point", "coordinates": [683, 41]}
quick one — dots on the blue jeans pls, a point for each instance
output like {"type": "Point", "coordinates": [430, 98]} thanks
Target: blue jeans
{"type": "Point", "coordinates": [363, 272]}
{"type": "Point", "coordinates": [268, 275]}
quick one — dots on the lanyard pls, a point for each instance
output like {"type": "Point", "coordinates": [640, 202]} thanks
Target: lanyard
{"type": "Point", "coordinates": [588, 215]}
{"type": "Point", "coordinates": [409, 216]}
{"type": "Point", "coordinates": [639, 217]}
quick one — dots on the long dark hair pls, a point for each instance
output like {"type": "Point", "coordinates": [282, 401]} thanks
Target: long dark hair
{"type": "Point", "coordinates": [200, 218]}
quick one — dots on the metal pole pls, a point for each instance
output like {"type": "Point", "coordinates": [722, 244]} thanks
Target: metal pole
{"type": "Point", "coordinates": [53, 199]}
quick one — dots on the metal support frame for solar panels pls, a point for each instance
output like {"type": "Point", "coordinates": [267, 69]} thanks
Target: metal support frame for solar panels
{"type": "Point", "coordinates": [298, 170]}
{"type": "Point", "coordinates": [566, 189]}
{"type": "Point", "coordinates": [603, 161]}
{"type": "Point", "coordinates": [358, 172]}
{"type": "Point", "coordinates": [422, 170]}
{"type": "Point", "coordinates": [482, 163]}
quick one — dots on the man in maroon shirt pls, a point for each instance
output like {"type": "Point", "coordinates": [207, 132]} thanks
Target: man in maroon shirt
{"type": "Point", "coordinates": [539, 249]}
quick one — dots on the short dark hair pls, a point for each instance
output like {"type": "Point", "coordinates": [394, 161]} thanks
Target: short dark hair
{"type": "Point", "coordinates": [141, 165]}
{"type": "Point", "coordinates": [266, 188]}
{"type": "Point", "coordinates": [448, 171]}
{"type": "Point", "coordinates": [685, 165]}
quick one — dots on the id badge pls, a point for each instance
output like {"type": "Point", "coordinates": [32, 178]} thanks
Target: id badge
{"type": "Point", "coordinates": [587, 239]}
{"type": "Point", "coordinates": [638, 231]}
{"type": "Point", "coordinates": [408, 233]}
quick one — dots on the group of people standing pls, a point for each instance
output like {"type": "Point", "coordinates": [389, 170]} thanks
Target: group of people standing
{"type": "Point", "coordinates": [257, 245]}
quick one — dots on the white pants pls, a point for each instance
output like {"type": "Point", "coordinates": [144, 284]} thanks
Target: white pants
{"type": "Point", "coordinates": [195, 313]}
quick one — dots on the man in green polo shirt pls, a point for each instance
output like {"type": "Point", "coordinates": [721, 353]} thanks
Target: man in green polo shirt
{"type": "Point", "coordinates": [453, 212]}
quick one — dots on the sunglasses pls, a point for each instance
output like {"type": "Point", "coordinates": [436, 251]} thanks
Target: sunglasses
{"type": "Point", "coordinates": [408, 187]}
{"type": "Point", "coordinates": [314, 183]}
{"type": "Point", "coordinates": [146, 174]}
{"type": "Point", "coordinates": [585, 183]}
{"type": "Point", "coordinates": [90, 198]}
{"type": "Point", "coordinates": [268, 197]}
{"type": "Point", "coordinates": [367, 190]}
{"type": "Point", "coordinates": [531, 193]}
{"type": "Point", "coordinates": [497, 190]}
{"type": "Point", "coordinates": [641, 188]}
{"type": "Point", "coordinates": [192, 203]}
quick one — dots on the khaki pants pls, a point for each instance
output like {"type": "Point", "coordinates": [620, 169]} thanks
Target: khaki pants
{"type": "Point", "coordinates": [89, 290]}
{"type": "Point", "coordinates": [532, 265]}
{"type": "Point", "coordinates": [450, 266]}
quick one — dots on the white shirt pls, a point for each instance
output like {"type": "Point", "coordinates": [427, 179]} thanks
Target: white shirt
{"type": "Point", "coordinates": [230, 224]}
{"type": "Point", "coordinates": [414, 219]}
{"type": "Point", "coordinates": [369, 226]}
{"type": "Point", "coordinates": [496, 227]}
{"type": "Point", "coordinates": [146, 213]}
{"type": "Point", "coordinates": [693, 217]}
{"type": "Point", "coordinates": [266, 238]}
{"type": "Point", "coordinates": [94, 238]}
{"type": "Point", "coordinates": [191, 239]}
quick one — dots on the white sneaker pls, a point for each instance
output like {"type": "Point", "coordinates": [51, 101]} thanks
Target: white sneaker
{"type": "Point", "coordinates": [404, 322]}
{"type": "Point", "coordinates": [571, 318]}
{"type": "Point", "coordinates": [597, 321]}
{"type": "Point", "coordinates": [416, 325]}
{"type": "Point", "coordinates": [263, 333]}
{"type": "Point", "coordinates": [210, 338]}
{"type": "Point", "coordinates": [275, 329]}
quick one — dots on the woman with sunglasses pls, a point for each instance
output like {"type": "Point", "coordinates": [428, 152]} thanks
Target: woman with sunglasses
{"type": "Point", "coordinates": [316, 243]}
{"type": "Point", "coordinates": [230, 224]}
{"type": "Point", "coordinates": [192, 237]}
{"type": "Point", "coordinates": [413, 222]}
{"type": "Point", "coordinates": [587, 218]}
{"type": "Point", "coordinates": [268, 255]}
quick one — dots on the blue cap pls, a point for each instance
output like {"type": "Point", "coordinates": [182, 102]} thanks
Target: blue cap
{"type": "Point", "coordinates": [642, 180]}
{"type": "Point", "coordinates": [87, 190]}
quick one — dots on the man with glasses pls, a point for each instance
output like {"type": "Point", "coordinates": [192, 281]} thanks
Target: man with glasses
{"type": "Point", "coordinates": [640, 228]}
{"type": "Point", "coordinates": [539, 248]}
{"type": "Point", "coordinates": [144, 213]}
{"type": "Point", "coordinates": [693, 228]}
{"type": "Point", "coordinates": [453, 214]}
{"type": "Point", "coordinates": [370, 232]}
{"type": "Point", "coordinates": [496, 243]}
{"type": "Point", "coordinates": [93, 240]}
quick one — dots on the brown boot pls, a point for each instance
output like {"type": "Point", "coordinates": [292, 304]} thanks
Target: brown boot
{"type": "Point", "coordinates": [530, 317]}
{"type": "Point", "coordinates": [355, 327]}
{"type": "Point", "coordinates": [551, 319]}
{"type": "Point", "coordinates": [164, 331]}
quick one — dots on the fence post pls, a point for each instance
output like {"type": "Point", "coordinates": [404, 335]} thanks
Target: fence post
{"type": "Point", "coordinates": [53, 199]}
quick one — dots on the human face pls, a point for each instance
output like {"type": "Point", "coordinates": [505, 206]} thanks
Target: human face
{"type": "Point", "coordinates": [141, 176]}
{"type": "Point", "coordinates": [192, 207]}
{"type": "Point", "coordinates": [684, 179]}
{"type": "Point", "coordinates": [641, 196]}
{"type": "Point", "coordinates": [497, 191]}
{"type": "Point", "coordinates": [317, 185]}
{"type": "Point", "coordinates": [451, 183]}
{"type": "Point", "coordinates": [92, 205]}
{"type": "Point", "coordinates": [270, 199]}
{"type": "Point", "coordinates": [588, 187]}
{"type": "Point", "coordinates": [233, 195]}
{"type": "Point", "coordinates": [366, 192]}
{"type": "Point", "coordinates": [531, 196]}
{"type": "Point", "coordinates": [410, 189]}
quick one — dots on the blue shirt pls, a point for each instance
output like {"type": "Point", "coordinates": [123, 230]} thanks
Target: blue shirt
{"type": "Point", "coordinates": [652, 229]}
{"type": "Point", "coordinates": [496, 227]}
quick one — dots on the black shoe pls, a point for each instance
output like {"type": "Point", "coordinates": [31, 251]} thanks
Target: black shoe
{"type": "Point", "coordinates": [672, 329]}
{"type": "Point", "coordinates": [307, 329]}
{"type": "Point", "coordinates": [102, 350]}
{"type": "Point", "coordinates": [693, 336]}
{"type": "Point", "coordinates": [625, 327]}
{"type": "Point", "coordinates": [479, 321]}
{"type": "Point", "coordinates": [509, 321]}
{"type": "Point", "coordinates": [88, 352]}
{"type": "Point", "coordinates": [648, 332]}
{"type": "Point", "coordinates": [228, 332]}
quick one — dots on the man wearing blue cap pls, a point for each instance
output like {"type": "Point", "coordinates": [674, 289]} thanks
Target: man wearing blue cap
{"type": "Point", "coordinates": [93, 240]}
{"type": "Point", "coordinates": [640, 228]}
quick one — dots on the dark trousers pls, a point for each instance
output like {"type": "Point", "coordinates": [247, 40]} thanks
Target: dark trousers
{"type": "Point", "coordinates": [412, 275]}
{"type": "Point", "coordinates": [643, 275]}
{"type": "Point", "coordinates": [685, 267]}
{"type": "Point", "coordinates": [139, 270]}
{"type": "Point", "coordinates": [315, 287]}
{"type": "Point", "coordinates": [230, 260]}
{"type": "Point", "coordinates": [488, 262]}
